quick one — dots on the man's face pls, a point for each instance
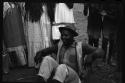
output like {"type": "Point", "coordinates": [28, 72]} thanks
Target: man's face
{"type": "Point", "coordinates": [67, 37]}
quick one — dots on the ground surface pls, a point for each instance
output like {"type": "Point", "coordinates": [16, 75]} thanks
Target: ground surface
{"type": "Point", "coordinates": [20, 75]}
{"type": "Point", "coordinates": [29, 74]}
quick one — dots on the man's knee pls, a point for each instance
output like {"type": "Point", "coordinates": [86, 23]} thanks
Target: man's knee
{"type": "Point", "coordinates": [47, 66]}
{"type": "Point", "coordinates": [48, 58]}
{"type": "Point", "coordinates": [50, 61]}
{"type": "Point", "coordinates": [62, 67]}
{"type": "Point", "coordinates": [61, 73]}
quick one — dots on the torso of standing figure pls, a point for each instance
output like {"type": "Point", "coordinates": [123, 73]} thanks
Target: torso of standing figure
{"type": "Point", "coordinates": [70, 58]}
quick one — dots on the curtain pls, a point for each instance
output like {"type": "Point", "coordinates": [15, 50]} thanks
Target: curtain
{"type": "Point", "coordinates": [34, 40]}
{"type": "Point", "coordinates": [38, 36]}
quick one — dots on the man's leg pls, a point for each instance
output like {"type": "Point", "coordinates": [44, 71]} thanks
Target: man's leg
{"type": "Point", "coordinates": [112, 47]}
{"type": "Point", "coordinates": [90, 40]}
{"type": "Point", "coordinates": [104, 46]}
{"type": "Point", "coordinates": [72, 76]}
{"type": "Point", "coordinates": [96, 41]}
{"type": "Point", "coordinates": [65, 74]}
{"type": "Point", "coordinates": [47, 66]}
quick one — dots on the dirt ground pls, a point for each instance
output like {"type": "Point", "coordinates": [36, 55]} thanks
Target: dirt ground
{"type": "Point", "coordinates": [20, 75]}
{"type": "Point", "coordinates": [29, 74]}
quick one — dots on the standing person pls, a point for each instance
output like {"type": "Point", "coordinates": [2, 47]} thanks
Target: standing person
{"type": "Point", "coordinates": [66, 65]}
{"type": "Point", "coordinates": [14, 34]}
{"type": "Point", "coordinates": [94, 23]}
{"type": "Point", "coordinates": [111, 19]}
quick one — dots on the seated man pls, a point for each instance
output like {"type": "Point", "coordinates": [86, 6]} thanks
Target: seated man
{"type": "Point", "coordinates": [66, 62]}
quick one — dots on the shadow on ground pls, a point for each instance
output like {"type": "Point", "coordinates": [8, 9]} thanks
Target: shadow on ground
{"type": "Point", "coordinates": [20, 75]}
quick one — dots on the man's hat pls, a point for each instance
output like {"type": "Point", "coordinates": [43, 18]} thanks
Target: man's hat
{"type": "Point", "coordinates": [70, 27]}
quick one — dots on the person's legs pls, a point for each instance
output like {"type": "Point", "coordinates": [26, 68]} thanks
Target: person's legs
{"type": "Point", "coordinates": [61, 73]}
{"type": "Point", "coordinates": [110, 51]}
{"type": "Point", "coordinates": [104, 46]}
{"type": "Point", "coordinates": [112, 47]}
{"type": "Point", "coordinates": [90, 40]}
{"type": "Point", "coordinates": [96, 41]}
{"type": "Point", "coordinates": [13, 59]}
{"type": "Point", "coordinates": [47, 66]}
{"type": "Point", "coordinates": [93, 41]}
{"type": "Point", "coordinates": [72, 76]}
{"type": "Point", "coordinates": [65, 74]}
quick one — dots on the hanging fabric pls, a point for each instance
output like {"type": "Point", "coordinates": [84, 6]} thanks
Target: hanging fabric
{"type": "Point", "coordinates": [62, 14]}
{"type": "Point", "coordinates": [51, 11]}
{"type": "Point", "coordinates": [34, 40]}
{"type": "Point", "coordinates": [85, 11]}
{"type": "Point", "coordinates": [33, 30]}
{"type": "Point", "coordinates": [6, 6]}
{"type": "Point", "coordinates": [38, 35]}
{"type": "Point", "coordinates": [46, 28]}
{"type": "Point", "coordinates": [69, 5]}
{"type": "Point", "coordinates": [35, 10]}
{"type": "Point", "coordinates": [13, 31]}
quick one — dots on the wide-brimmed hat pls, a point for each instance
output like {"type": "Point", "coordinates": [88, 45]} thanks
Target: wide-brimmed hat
{"type": "Point", "coordinates": [70, 27]}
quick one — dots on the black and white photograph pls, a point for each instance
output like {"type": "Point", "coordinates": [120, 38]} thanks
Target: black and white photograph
{"type": "Point", "coordinates": [62, 42]}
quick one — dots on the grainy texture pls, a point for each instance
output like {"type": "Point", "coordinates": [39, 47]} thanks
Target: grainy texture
{"type": "Point", "coordinates": [81, 21]}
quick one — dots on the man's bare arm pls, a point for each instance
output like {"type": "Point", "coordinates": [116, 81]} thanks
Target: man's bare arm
{"type": "Point", "coordinates": [91, 52]}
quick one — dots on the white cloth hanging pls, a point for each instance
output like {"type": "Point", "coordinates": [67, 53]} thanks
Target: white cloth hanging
{"type": "Point", "coordinates": [6, 6]}
{"type": "Point", "coordinates": [34, 41]}
{"type": "Point", "coordinates": [62, 14]}
{"type": "Point", "coordinates": [38, 36]}
{"type": "Point", "coordinates": [45, 28]}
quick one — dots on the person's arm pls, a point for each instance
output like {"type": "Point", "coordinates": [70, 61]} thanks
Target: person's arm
{"type": "Point", "coordinates": [91, 52]}
{"type": "Point", "coordinates": [87, 49]}
{"type": "Point", "coordinates": [42, 53]}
